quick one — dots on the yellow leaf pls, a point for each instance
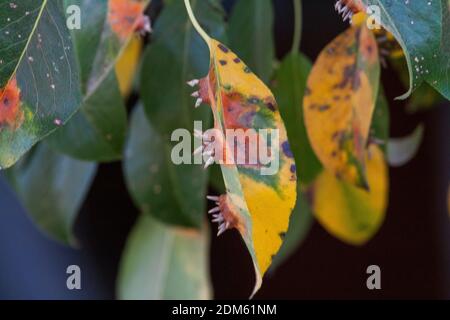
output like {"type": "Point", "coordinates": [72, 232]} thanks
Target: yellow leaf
{"type": "Point", "coordinates": [127, 64]}
{"type": "Point", "coordinates": [351, 214]}
{"type": "Point", "coordinates": [257, 205]}
{"type": "Point", "coordinates": [339, 101]}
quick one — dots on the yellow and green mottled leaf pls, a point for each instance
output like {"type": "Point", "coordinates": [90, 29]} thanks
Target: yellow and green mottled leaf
{"type": "Point", "coordinates": [339, 102]}
{"type": "Point", "coordinates": [258, 205]}
{"type": "Point", "coordinates": [351, 214]}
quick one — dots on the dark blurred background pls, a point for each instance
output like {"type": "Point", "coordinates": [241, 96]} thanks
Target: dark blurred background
{"type": "Point", "coordinates": [412, 248]}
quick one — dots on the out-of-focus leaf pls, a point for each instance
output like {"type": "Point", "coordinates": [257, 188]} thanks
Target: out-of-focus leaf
{"type": "Point", "coordinates": [39, 76]}
{"type": "Point", "coordinates": [127, 65]}
{"type": "Point", "coordinates": [422, 28]}
{"type": "Point", "coordinates": [251, 35]}
{"type": "Point", "coordinates": [173, 194]}
{"type": "Point", "coordinates": [164, 263]}
{"type": "Point", "coordinates": [97, 132]}
{"type": "Point", "coordinates": [402, 150]}
{"type": "Point", "coordinates": [342, 89]}
{"type": "Point", "coordinates": [351, 214]}
{"type": "Point", "coordinates": [259, 200]}
{"type": "Point", "coordinates": [177, 54]}
{"type": "Point", "coordinates": [52, 188]}
{"type": "Point", "coordinates": [379, 131]}
{"type": "Point", "coordinates": [216, 179]}
{"type": "Point", "coordinates": [290, 85]}
{"type": "Point", "coordinates": [299, 226]}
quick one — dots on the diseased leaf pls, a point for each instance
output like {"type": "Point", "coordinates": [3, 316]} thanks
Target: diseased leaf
{"type": "Point", "coordinates": [172, 194]}
{"type": "Point", "coordinates": [52, 188]}
{"type": "Point", "coordinates": [251, 35]}
{"type": "Point", "coordinates": [351, 214]}
{"type": "Point", "coordinates": [164, 263]}
{"type": "Point", "coordinates": [258, 203]}
{"type": "Point", "coordinates": [39, 76]}
{"type": "Point", "coordinates": [422, 30]}
{"type": "Point", "coordinates": [340, 98]}
{"type": "Point", "coordinates": [176, 54]}
{"type": "Point", "coordinates": [97, 132]}
{"type": "Point", "coordinates": [290, 84]}
{"type": "Point", "coordinates": [402, 150]}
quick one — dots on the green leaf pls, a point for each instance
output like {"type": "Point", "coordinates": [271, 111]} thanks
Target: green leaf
{"type": "Point", "coordinates": [173, 194]}
{"type": "Point", "coordinates": [52, 188]}
{"type": "Point", "coordinates": [97, 132]}
{"type": "Point", "coordinates": [417, 26]}
{"type": "Point", "coordinates": [164, 263]}
{"type": "Point", "coordinates": [36, 50]}
{"type": "Point", "coordinates": [251, 35]}
{"type": "Point", "coordinates": [402, 150]}
{"type": "Point", "coordinates": [301, 222]}
{"type": "Point", "coordinates": [290, 85]}
{"type": "Point", "coordinates": [177, 55]}
{"type": "Point", "coordinates": [379, 131]}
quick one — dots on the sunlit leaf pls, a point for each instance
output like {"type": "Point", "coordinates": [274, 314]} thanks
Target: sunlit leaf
{"type": "Point", "coordinates": [172, 194]}
{"type": "Point", "coordinates": [251, 35]}
{"type": "Point", "coordinates": [39, 76]}
{"type": "Point", "coordinates": [422, 28]}
{"type": "Point", "coordinates": [402, 150]}
{"type": "Point", "coordinates": [52, 188]}
{"type": "Point", "coordinates": [164, 263]}
{"type": "Point", "coordinates": [351, 214]}
{"type": "Point", "coordinates": [339, 102]}
{"type": "Point", "coordinates": [258, 204]}
{"type": "Point", "coordinates": [97, 132]}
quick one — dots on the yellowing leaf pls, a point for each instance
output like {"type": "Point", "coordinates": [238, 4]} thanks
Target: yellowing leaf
{"type": "Point", "coordinates": [258, 205]}
{"type": "Point", "coordinates": [351, 214]}
{"type": "Point", "coordinates": [127, 65]}
{"type": "Point", "coordinates": [339, 101]}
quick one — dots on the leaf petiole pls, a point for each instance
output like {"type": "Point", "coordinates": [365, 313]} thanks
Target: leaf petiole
{"type": "Point", "coordinates": [195, 23]}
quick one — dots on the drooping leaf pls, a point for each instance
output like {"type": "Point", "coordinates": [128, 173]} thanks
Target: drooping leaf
{"type": "Point", "coordinates": [251, 35]}
{"type": "Point", "coordinates": [351, 214]}
{"type": "Point", "coordinates": [258, 202]}
{"type": "Point", "coordinates": [174, 194]}
{"type": "Point", "coordinates": [164, 263]}
{"type": "Point", "coordinates": [97, 132]}
{"type": "Point", "coordinates": [422, 30]}
{"type": "Point", "coordinates": [340, 98]}
{"type": "Point", "coordinates": [290, 84]}
{"type": "Point", "coordinates": [52, 188]}
{"type": "Point", "coordinates": [402, 150]}
{"type": "Point", "coordinates": [176, 55]}
{"type": "Point", "coordinates": [39, 76]}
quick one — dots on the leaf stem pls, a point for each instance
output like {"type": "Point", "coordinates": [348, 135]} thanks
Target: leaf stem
{"type": "Point", "coordinates": [298, 25]}
{"type": "Point", "coordinates": [195, 23]}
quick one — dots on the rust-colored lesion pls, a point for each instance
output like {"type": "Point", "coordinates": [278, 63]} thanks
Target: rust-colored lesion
{"type": "Point", "coordinates": [11, 115]}
{"type": "Point", "coordinates": [126, 17]}
{"type": "Point", "coordinates": [230, 214]}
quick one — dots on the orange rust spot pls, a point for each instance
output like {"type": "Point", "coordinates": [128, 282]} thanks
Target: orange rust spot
{"type": "Point", "coordinates": [10, 113]}
{"type": "Point", "coordinates": [354, 5]}
{"type": "Point", "coordinates": [230, 213]}
{"type": "Point", "coordinates": [125, 17]}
